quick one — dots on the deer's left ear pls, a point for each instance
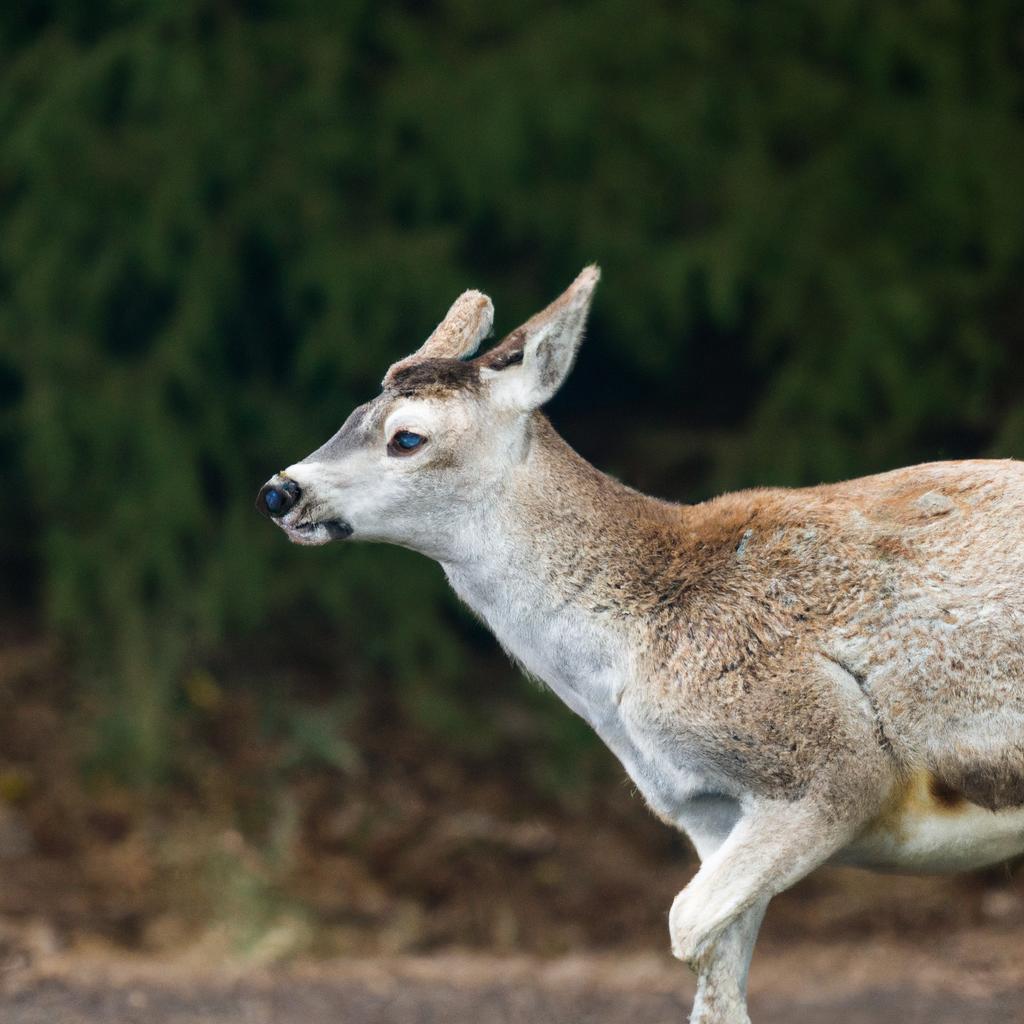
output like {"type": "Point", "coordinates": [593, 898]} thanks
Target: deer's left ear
{"type": "Point", "coordinates": [529, 366]}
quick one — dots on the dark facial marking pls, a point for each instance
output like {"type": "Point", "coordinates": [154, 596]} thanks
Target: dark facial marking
{"type": "Point", "coordinates": [434, 377]}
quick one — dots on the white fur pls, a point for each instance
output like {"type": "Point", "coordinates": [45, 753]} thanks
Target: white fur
{"type": "Point", "coordinates": [582, 660]}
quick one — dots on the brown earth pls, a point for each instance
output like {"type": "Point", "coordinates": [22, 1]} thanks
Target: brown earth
{"type": "Point", "coordinates": [261, 883]}
{"type": "Point", "coordinates": [971, 977]}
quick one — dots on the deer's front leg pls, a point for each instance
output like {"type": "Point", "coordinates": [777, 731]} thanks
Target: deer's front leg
{"type": "Point", "coordinates": [772, 845]}
{"type": "Point", "coordinates": [722, 973]}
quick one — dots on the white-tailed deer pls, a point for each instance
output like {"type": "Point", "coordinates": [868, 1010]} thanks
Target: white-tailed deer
{"type": "Point", "coordinates": [791, 677]}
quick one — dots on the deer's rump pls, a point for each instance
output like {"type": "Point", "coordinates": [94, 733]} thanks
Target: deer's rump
{"type": "Point", "coordinates": [940, 640]}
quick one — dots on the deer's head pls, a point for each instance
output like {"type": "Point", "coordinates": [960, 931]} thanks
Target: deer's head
{"type": "Point", "coordinates": [445, 430]}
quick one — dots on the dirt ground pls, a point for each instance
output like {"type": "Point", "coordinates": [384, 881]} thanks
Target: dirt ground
{"type": "Point", "coordinates": [974, 977]}
{"type": "Point", "coordinates": [419, 885]}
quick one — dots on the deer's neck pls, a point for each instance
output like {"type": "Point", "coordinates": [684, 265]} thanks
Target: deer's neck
{"type": "Point", "coordinates": [552, 566]}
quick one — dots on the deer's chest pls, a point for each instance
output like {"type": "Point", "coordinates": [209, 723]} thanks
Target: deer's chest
{"type": "Point", "coordinates": [589, 666]}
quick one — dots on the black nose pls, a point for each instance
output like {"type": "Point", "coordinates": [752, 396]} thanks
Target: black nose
{"type": "Point", "coordinates": [277, 497]}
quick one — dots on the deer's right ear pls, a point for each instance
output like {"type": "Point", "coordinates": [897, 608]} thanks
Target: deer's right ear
{"type": "Point", "coordinates": [529, 366]}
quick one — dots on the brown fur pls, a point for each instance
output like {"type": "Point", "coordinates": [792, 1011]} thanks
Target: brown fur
{"type": "Point", "coordinates": [995, 785]}
{"type": "Point", "coordinates": [740, 599]}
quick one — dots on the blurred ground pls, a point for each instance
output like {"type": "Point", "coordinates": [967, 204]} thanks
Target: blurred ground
{"type": "Point", "coordinates": [949, 980]}
{"type": "Point", "coordinates": [406, 881]}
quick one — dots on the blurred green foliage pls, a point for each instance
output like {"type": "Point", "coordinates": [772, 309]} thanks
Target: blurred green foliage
{"type": "Point", "coordinates": [219, 222]}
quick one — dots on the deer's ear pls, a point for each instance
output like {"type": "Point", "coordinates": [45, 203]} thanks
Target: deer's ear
{"type": "Point", "coordinates": [457, 336]}
{"type": "Point", "coordinates": [529, 366]}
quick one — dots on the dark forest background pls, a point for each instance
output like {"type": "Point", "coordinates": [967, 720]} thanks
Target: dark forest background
{"type": "Point", "coordinates": [220, 222]}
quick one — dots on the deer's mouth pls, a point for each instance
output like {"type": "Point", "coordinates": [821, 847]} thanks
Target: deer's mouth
{"type": "Point", "coordinates": [317, 533]}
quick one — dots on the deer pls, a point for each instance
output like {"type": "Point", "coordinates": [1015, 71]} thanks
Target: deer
{"type": "Point", "coordinates": [791, 677]}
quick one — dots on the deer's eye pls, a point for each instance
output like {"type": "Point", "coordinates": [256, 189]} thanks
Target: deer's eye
{"type": "Point", "coordinates": [405, 442]}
